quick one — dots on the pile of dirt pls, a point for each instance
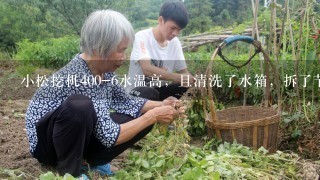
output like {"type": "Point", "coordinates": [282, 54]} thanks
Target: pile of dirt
{"type": "Point", "coordinates": [307, 145]}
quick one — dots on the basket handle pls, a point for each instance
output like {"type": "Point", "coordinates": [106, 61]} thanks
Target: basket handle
{"type": "Point", "coordinates": [208, 91]}
{"type": "Point", "coordinates": [230, 40]}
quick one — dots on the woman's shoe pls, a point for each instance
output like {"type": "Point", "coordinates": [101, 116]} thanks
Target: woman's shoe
{"type": "Point", "coordinates": [83, 177]}
{"type": "Point", "coordinates": [103, 170]}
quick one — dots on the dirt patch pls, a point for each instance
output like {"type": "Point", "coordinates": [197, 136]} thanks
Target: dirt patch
{"type": "Point", "coordinates": [14, 147]}
{"type": "Point", "coordinates": [19, 86]}
{"type": "Point", "coordinates": [307, 146]}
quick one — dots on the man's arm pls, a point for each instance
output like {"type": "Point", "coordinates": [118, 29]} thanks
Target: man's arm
{"type": "Point", "coordinates": [186, 72]}
{"type": "Point", "coordinates": [149, 70]}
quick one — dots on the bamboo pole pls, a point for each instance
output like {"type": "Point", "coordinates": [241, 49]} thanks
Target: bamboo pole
{"type": "Point", "coordinates": [316, 47]}
{"type": "Point", "coordinates": [249, 65]}
{"type": "Point", "coordinates": [294, 55]}
{"type": "Point", "coordinates": [296, 67]}
{"type": "Point", "coordinates": [261, 58]}
{"type": "Point", "coordinates": [254, 32]}
{"type": "Point", "coordinates": [274, 28]}
{"type": "Point", "coordinates": [305, 57]}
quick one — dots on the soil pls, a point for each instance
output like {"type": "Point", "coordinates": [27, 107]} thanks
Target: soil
{"type": "Point", "coordinates": [14, 151]}
{"type": "Point", "coordinates": [307, 145]}
{"type": "Point", "coordinates": [14, 148]}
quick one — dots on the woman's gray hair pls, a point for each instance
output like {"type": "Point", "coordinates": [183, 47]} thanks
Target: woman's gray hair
{"type": "Point", "coordinates": [103, 31]}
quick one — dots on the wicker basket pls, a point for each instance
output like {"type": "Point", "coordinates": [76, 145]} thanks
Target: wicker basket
{"type": "Point", "coordinates": [250, 126]}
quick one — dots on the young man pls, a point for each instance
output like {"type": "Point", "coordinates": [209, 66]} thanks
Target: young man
{"type": "Point", "coordinates": [157, 55]}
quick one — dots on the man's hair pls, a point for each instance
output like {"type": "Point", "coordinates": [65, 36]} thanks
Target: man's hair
{"type": "Point", "coordinates": [175, 11]}
{"type": "Point", "coordinates": [103, 31]}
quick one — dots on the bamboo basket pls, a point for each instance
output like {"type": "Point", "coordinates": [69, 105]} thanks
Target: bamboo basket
{"type": "Point", "coordinates": [251, 126]}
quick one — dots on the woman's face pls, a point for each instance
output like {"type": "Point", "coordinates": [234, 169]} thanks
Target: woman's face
{"type": "Point", "coordinates": [118, 56]}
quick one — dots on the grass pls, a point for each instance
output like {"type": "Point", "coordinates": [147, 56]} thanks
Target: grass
{"type": "Point", "coordinates": [4, 56]}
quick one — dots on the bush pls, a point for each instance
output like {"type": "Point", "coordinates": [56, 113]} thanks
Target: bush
{"type": "Point", "coordinates": [51, 53]}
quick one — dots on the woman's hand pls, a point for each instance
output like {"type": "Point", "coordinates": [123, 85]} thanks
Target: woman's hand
{"type": "Point", "coordinates": [172, 101]}
{"type": "Point", "coordinates": [177, 104]}
{"type": "Point", "coordinates": [181, 110]}
{"type": "Point", "coordinates": [163, 114]}
{"type": "Point", "coordinates": [165, 111]}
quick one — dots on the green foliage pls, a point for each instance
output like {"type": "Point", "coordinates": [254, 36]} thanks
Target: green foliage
{"type": "Point", "coordinates": [264, 21]}
{"type": "Point", "coordinates": [4, 55]}
{"type": "Point", "coordinates": [229, 161]}
{"type": "Point", "coordinates": [51, 53]}
{"type": "Point", "coordinates": [239, 29]}
{"type": "Point", "coordinates": [69, 16]}
{"type": "Point", "coordinates": [291, 122]}
{"type": "Point", "coordinates": [199, 14]}
{"type": "Point", "coordinates": [44, 19]}
{"type": "Point", "coordinates": [224, 13]}
{"type": "Point", "coordinates": [141, 13]}
{"type": "Point", "coordinates": [295, 123]}
{"type": "Point", "coordinates": [197, 61]}
{"type": "Point", "coordinates": [50, 176]}
{"type": "Point", "coordinates": [196, 118]}
{"type": "Point", "coordinates": [26, 69]}
{"type": "Point", "coordinates": [12, 174]}
{"type": "Point", "coordinates": [15, 26]}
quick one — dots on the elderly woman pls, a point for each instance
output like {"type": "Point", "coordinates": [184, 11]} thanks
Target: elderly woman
{"type": "Point", "coordinates": [81, 114]}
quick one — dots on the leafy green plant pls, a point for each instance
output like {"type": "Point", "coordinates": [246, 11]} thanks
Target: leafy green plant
{"type": "Point", "coordinates": [50, 176]}
{"type": "Point", "coordinates": [23, 71]}
{"type": "Point", "coordinates": [169, 156]}
{"type": "Point", "coordinates": [196, 119]}
{"type": "Point", "coordinates": [51, 53]}
{"type": "Point", "coordinates": [230, 161]}
{"type": "Point", "coordinates": [13, 174]}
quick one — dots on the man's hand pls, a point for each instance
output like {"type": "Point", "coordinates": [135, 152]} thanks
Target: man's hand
{"type": "Point", "coordinates": [191, 78]}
